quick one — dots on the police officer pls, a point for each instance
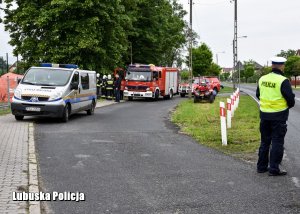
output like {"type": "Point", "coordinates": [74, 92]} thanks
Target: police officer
{"type": "Point", "coordinates": [276, 98]}
{"type": "Point", "coordinates": [103, 86]}
{"type": "Point", "coordinates": [109, 87]}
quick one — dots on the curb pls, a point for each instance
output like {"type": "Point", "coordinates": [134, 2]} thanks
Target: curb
{"type": "Point", "coordinates": [34, 206]}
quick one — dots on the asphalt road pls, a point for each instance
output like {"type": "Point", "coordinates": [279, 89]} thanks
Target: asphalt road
{"type": "Point", "coordinates": [292, 140]}
{"type": "Point", "coordinates": [128, 158]}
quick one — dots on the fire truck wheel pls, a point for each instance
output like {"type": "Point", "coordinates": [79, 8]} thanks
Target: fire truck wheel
{"type": "Point", "coordinates": [171, 94]}
{"type": "Point", "coordinates": [156, 95]}
{"type": "Point", "coordinates": [130, 98]}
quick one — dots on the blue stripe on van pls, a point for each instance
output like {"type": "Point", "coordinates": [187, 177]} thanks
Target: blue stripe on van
{"type": "Point", "coordinates": [81, 99]}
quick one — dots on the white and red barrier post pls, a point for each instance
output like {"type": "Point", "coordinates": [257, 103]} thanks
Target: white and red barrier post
{"type": "Point", "coordinates": [232, 105]}
{"type": "Point", "coordinates": [228, 113]}
{"type": "Point", "coordinates": [223, 123]}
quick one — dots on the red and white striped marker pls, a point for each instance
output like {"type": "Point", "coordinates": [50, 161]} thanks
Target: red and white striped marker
{"type": "Point", "coordinates": [232, 105]}
{"type": "Point", "coordinates": [223, 124]}
{"type": "Point", "coordinates": [228, 113]}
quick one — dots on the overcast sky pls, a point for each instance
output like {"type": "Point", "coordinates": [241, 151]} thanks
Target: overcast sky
{"type": "Point", "coordinates": [270, 26]}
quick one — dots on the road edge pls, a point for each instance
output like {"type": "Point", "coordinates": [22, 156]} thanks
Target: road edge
{"type": "Point", "coordinates": [34, 206]}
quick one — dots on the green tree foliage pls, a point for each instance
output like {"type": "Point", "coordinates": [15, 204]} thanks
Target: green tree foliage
{"type": "Point", "coordinates": [185, 74]}
{"type": "Point", "coordinates": [248, 71]}
{"type": "Point", "coordinates": [292, 67]}
{"type": "Point", "coordinates": [225, 76]}
{"type": "Point", "coordinates": [202, 60]}
{"type": "Point", "coordinates": [158, 32]}
{"type": "Point", "coordinates": [287, 54]}
{"type": "Point", "coordinates": [214, 70]}
{"type": "Point", "coordinates": [96, 34]}
{"type": "Point", "coordinates": [2, 66]}
{"type": "Point", "coordinates": [88, 33]}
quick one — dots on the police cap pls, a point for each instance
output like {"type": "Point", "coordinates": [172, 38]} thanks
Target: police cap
{"type": "Point", "coordinates": [278, 60]}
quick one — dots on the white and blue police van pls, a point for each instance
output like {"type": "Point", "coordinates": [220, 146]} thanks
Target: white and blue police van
{"type": "Point", "coordinates": [55, 90]}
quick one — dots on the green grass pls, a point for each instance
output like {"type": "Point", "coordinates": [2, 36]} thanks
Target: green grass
{"type": "Point", "coordinates": [4, 111]}
{"type": "Point", "coordinates": [202, 122]}
{"type": "Point", "coordinates": [226, 89]}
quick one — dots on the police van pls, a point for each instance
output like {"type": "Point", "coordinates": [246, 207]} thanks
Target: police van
{"type": "Point", "coordinates": [55, 90]}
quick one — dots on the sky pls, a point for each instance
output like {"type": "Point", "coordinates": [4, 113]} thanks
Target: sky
{"type": "Point", "coordinates": [270, 26]}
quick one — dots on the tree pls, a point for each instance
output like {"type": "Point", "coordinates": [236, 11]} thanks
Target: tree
{"type": "Point", "coordinates": [248, 71]}
{"type": "Point", "coordinates": [98, 34]}
{"type": "Point", "coordinates": [202, 60]}
{"type": "Point", "coordinates": [158, 32]}
{"type": "Point", "coordinates": [184, 75]}
{"type": "Point", "coordinates": [292, 67]}
{"type": "Point", "coordinates": [224, 76]}
{"type": "Point", "coordinates": [88, 33]}
{"type": "Point", "coordinates": [287, 54]}
{"type": "Point", "coordinates": [214, 70]}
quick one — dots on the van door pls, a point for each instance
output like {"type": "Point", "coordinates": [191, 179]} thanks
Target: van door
{"type": "Point", "coordinates": [84, 90]}
{"type": "Point", "coordinates": [75, 105]}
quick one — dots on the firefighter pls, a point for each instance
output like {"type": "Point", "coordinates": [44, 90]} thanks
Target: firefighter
{"type": "Point", "coordinates": [109, 87]}
{"type": "Point", "coordinates": [276, 98]}
{"type": "Point", "coordinates": [99, 83]}
{"type": "Point", "coordinates": [117, 87]}
{"type": "Point", "coordinates": [103, 86]}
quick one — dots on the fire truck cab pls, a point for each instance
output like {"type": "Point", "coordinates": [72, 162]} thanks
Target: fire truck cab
{"type": "Point", "coordinates": [150, 81]}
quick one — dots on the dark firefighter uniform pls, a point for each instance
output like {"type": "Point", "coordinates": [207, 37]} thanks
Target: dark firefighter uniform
{"type": "Point", "coordinates": [99, 83]}
{"type": "Point", "coordinates": [276, 98]}
{"type": "Point", "coordinates": [103, 87]}
{"type": "Point", "coordinates": [109, 87]}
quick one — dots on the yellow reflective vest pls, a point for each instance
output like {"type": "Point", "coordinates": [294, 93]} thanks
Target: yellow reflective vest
{"type": "Point", "coordinates": [271, 99]}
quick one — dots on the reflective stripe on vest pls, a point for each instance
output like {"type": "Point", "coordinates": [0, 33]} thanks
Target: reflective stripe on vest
{"type": "Point", "coordinates": [271, 99]}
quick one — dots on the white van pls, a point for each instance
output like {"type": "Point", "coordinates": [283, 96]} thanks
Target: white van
{"type": "Point", "coordinates": [54, 90]}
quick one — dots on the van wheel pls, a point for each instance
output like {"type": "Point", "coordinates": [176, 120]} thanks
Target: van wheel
{"type": "Point", "coordinates": [66, 114]}
{"type": "Point", "coordinates": [91, 111]}
{"type": "Point", "coordinates": [19, 117]}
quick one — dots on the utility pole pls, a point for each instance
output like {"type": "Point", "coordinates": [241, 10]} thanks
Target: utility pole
{"type": "Point", "coordinates": [191, 48]}
{"type": "Point", "coordinates": [6, 62]}
{"type": "Point", "coordinates": [130, 53]}
{"type": "Point", "coordinates": [235, 55]}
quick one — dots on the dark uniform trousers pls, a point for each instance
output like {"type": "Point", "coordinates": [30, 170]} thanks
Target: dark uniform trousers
{"type": "Point", "coordinates": [272, 134]}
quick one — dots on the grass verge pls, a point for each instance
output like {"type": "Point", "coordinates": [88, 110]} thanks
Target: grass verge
{"type": "Point", "coordinates": [4, 111]}
{"type": "Point", "coordinates": [202, 122]}
{"type": "Point", "coordinates": [226, 89]}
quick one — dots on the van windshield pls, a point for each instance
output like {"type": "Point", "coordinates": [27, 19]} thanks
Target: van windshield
{"type": "Point", "coordinates": [47, 77]}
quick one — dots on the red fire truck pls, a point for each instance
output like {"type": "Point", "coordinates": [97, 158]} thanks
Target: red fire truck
{"type": "Point", "coordinates": [150, 81]}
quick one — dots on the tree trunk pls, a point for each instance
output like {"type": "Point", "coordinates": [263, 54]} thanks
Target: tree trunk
{"type": "Point", "coordinates": [295, 81]}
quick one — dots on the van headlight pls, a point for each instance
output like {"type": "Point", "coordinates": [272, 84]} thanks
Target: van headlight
{"type": "Point", "coordinates": [17, 93]}
{"type": "Point", "coordinates": [56, 95]}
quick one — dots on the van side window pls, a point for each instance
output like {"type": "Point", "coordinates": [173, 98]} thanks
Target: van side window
{"type": "Point", "coordinates": [84, 80]}
{"type": "Point", "coordinates": [75, 78]}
